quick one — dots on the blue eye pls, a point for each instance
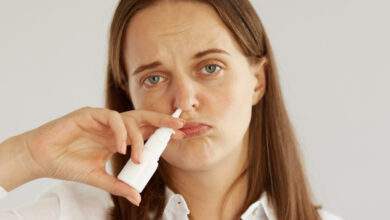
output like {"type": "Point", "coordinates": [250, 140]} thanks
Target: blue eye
{"type": "Point", "coordinates": [153, 79]}
{"type": "Point", "coordinates": [211, 68]}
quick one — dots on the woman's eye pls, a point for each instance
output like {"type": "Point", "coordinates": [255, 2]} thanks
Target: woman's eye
{"type": "Point", "coordinates": [211, 68]}
{"type": "Point", "coordinates": [154, 79]}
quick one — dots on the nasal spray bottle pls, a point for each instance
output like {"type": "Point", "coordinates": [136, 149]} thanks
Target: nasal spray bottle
{"type": "Point", "coordinates": [138, 175]}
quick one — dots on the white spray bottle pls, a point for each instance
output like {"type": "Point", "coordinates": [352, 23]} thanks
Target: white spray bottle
{"type": "Point", "coordinates": [138, 175]}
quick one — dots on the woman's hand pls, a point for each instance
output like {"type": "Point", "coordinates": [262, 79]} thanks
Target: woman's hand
{"type": "Point", "coordinates": [77, 146]}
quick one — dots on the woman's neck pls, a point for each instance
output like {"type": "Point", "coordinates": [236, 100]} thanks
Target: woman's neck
{"type": "Point", "coordinates": [205, 190]}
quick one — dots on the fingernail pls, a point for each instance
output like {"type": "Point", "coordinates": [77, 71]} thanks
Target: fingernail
{"type": "Point", "coordinates": [138, 199]}
{"type": "Point", "coordinates": [180, 122]}
{"type": "Point", "coordinates": [179, 135]}
{"type": "Point", "coordinates": [134, 159]}
{"type": "Point", "coordinates": [140, 154]}
{"type": "Point", "coordinates": [124, 148]}
{"type": "Point", "coordinates": [138, 158]}
{"type": "Point", "coordinates": [133, 200]}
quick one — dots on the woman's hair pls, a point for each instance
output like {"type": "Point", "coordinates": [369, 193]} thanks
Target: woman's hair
{"type": "Point", "coordinates": [274, 160]}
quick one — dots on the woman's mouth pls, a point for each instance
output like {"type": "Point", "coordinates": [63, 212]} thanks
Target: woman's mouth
{"type": "Point", "coordinates": [192, 129]}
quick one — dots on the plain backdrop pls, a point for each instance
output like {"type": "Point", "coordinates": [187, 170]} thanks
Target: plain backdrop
{"type": "Point", "coordinates": [333, 58]}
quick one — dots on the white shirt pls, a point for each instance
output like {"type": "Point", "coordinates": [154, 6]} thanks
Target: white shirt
{"type": "Point", "coordinates": [77, 201]}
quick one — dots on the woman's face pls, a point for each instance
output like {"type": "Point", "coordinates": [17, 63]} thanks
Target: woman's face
{"type": "Point", "coordinates": [217, 88]}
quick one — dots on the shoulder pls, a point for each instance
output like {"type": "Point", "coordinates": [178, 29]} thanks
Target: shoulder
{"type": "Point", "coordinates": [326, 215]}
{"type": "Point", "coordinates": [68, 200]}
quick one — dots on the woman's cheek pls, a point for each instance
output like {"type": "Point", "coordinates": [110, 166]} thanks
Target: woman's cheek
{"type": "Point", "coordinates": [232, 104]}
{"type": "Point", "coordinates": [224, 99]}
{"type": "Point", "coordinates": [147, 100]}
{"type": "Point", "coordinates": [225, 103]}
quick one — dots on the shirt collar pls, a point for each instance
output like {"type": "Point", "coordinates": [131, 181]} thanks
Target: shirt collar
{"type": "Point", "coordinates": [261, 209]}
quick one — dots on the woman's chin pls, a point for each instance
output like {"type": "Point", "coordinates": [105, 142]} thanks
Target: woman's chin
{"type": "Point", "coordinates": [198, 157]}
{"type": "Point", "coordinates": [191, 165]}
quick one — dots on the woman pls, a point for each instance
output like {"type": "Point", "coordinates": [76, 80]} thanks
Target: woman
{"type": "Point", "coordinates": [213, 60]}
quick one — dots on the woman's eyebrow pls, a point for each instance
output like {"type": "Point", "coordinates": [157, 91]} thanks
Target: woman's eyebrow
{"type": "Point", "coordinates": [196, 56]}
{"type": "Point", "coordinates": [208, 51]}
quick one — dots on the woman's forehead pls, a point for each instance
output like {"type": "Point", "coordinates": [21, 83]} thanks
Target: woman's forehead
{"type": "Point", "coordinates": [182, 27]}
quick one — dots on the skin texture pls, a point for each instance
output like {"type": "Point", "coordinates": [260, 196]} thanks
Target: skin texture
{"type": "Point", "coordinates": [216, 89]}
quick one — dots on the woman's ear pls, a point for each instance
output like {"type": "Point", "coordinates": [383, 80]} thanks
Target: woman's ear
{"type": "Point", "coordinates": [260, 85]}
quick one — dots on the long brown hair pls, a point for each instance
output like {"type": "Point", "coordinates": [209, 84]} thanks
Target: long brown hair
{"type": "Point", "coordinates": [275, 164]}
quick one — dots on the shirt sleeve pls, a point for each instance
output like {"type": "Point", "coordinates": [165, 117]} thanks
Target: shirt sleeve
{"type": "Point", "coordinates": [3, 192]}
{"type": "Point", "coordinates": [65, 201]}
{"type": "Point", "coordinates": [44, 209]}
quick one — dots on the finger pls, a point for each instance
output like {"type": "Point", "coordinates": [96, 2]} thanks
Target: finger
{"type": "Point", "coordinates": [178, 134]}
{"type": "Point", "coordinates": [120, 132]}
{"type": "Point", "coordinates": [135, 140]}
{"type": "Point", "coordinates": [148, 131]}
{"type": "Point", "coordinates": [114, 120]}
{"type": "Point", "coordinates": [157, 119]}
{"type": "Point", "coordinates": [113, 185]}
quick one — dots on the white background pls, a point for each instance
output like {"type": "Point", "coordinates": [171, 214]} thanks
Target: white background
{"type": "Point", "coordinates": [334, 69]}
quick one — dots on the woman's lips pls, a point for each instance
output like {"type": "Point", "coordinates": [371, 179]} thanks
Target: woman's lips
{"type": "Point", "coordinates": [191, 129]}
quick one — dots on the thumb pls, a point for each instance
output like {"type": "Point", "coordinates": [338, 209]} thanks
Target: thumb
{"type": "Point", "coordinates": [103, 180]}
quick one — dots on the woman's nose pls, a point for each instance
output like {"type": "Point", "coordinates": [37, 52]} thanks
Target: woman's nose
{"type": "Point", "coordinates": [185, 95]}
